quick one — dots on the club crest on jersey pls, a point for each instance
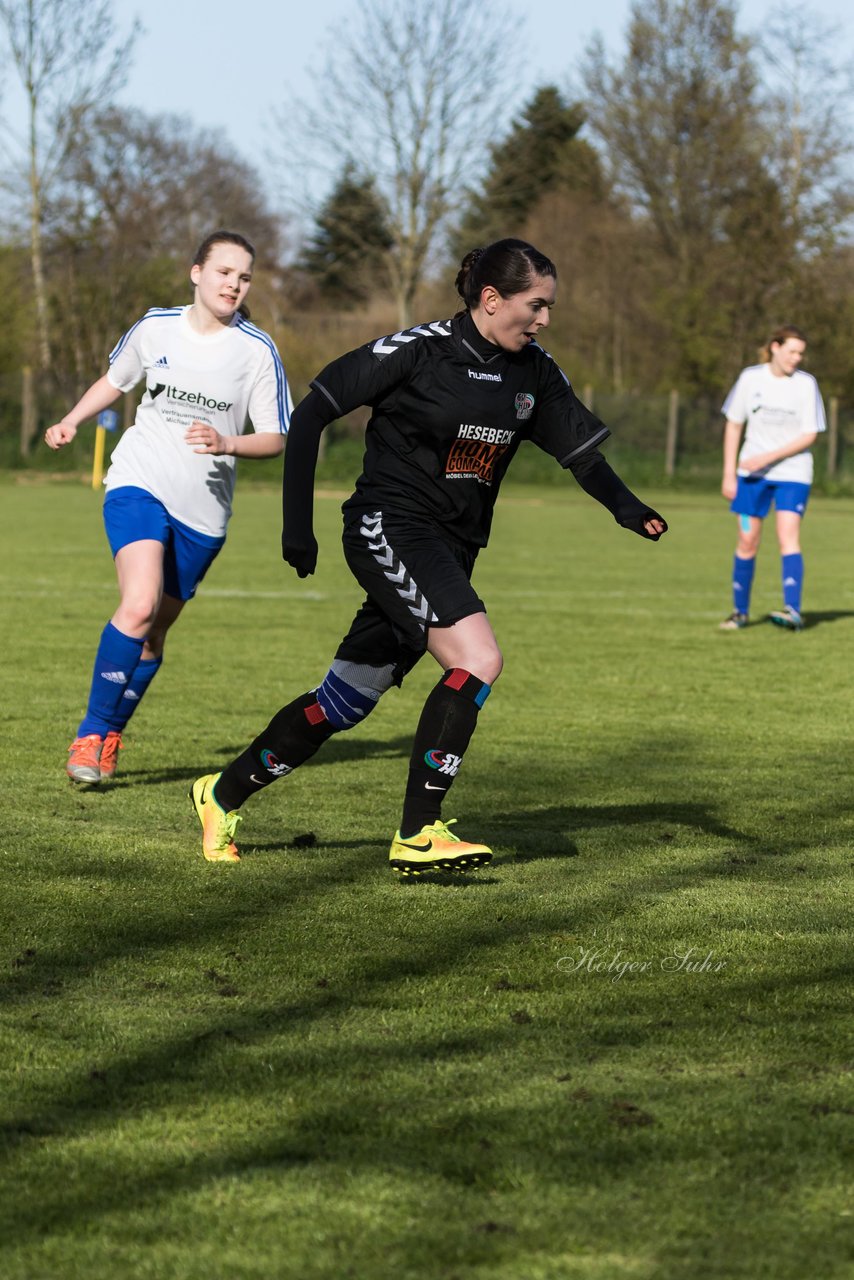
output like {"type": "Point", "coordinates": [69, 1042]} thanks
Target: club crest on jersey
{"type": "Point", "coordinates": [444, 761]}
{"type": "Point", "coordinates": [273, 765]}
{"type": "Point", "coordinates": [524, 405]}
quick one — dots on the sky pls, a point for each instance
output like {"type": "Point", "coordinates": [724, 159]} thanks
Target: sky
{"type": "Point", "coordinates": [190, 45]}
{"type": "Point", "coordinates": [228, 67]}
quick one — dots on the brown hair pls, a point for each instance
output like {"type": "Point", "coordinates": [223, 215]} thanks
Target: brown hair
{"type": "Point", "coordinates": [224, 237]}
{"type": "Point", "coordinates": [778, 337]}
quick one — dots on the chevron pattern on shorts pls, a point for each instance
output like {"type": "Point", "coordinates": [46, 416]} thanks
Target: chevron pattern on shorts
{"type": "Point", "coordinates": [395, 570]}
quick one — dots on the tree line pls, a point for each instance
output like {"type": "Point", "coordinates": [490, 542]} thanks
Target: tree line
{"type": "Point", "coordinates": [694, 191]}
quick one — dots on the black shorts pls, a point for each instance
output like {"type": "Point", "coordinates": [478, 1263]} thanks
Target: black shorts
{"type": "Point", "coordinates": [414, 580]}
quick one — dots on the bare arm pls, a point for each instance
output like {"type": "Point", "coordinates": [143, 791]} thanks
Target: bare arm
{"type": "Point", "coordinates": [100, 396]}
{"type": "Point", "coordinates": [263, 444]}
{"type": "Point", "coordinates": [732, 439]}
{"type": "Point", "coordinates": [762, 460]}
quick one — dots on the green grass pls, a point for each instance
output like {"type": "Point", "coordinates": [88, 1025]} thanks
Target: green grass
{"type": "Point", "coordinates": [298, 1067]}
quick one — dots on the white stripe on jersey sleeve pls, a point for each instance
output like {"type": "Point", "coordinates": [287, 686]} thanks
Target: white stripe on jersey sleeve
{"type": "Point", "coordinates": [151, 314]}
{"type": "Point", "coordinates": [283, 393]}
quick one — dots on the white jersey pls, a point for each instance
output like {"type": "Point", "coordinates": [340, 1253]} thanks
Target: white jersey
{"type": "Point", "coordinates": [776, 410]}
{"type": "Point", "coordinates": [221, 379]}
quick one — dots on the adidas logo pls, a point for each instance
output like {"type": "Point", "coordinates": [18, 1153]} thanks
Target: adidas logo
{"type": "Point", "coordinates": [129, 693]}
{"type": "Point", "coordinates": [115, 677]}
{"type": "Point", "coordinates": [162, 363]}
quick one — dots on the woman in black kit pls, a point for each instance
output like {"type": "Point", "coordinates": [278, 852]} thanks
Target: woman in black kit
{"type": "Point", "coordinates": [451, 402]}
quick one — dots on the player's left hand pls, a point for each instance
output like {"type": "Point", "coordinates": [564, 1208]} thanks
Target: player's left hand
{"type": "Point", "coordinates": [759, 462]}
{"type": "Point", "coordinates": [654, 527]}
{"type": "Point", "coordinates": [646, 523]}
{"type": "Point", "coordinates": [205, 439]}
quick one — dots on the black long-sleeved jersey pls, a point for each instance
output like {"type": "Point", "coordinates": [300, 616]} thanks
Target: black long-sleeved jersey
{"type": "Point", "coordinates": [450, 410]}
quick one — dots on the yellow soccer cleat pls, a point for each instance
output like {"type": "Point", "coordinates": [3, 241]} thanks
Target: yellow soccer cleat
{"type": "Point", "coordinates": [218, 826]}
{"type": "Point", "coordinates": [435, 848]}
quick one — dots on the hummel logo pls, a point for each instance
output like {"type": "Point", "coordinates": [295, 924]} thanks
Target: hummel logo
{"type": "Point", "coordinates": [115, 677]}
{"type": "Point", "coordinates": [162, 363]}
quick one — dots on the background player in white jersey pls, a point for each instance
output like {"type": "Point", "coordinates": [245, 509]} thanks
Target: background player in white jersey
{"type": "Point", "coordinates": [782, 408]}
{"type": "Point", "coordinates": [169, 487]}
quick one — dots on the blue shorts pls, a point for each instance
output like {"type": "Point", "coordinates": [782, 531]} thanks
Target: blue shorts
{"type": "Point", "coordinates": [754, 496]}
{"type": "Point", "coordinates": [131, 515]}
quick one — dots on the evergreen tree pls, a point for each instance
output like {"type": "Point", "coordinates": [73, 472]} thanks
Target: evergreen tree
{"type": "Point", "coordinates": [351, 237]}
{"type": "Point", "coordinates": [541, 153]}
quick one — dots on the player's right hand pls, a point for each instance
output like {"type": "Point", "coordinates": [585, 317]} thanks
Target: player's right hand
{"type": "Point", "coordinates": [302, 556]}
{"type": "Point", "coordinates": [59, 434]}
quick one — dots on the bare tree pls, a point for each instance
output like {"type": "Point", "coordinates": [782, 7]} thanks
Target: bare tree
{"type": "Point", "coordinates": [119, 232]}
{"type": "Point", "coordinates": [413, 92]}
{"type": "Point", "coordinates": [677, 121]}
{"type": "Point", "coordinates": [68, 58]}
{"type": "Point", "coordinates": [808, 122]}
{"type": "Point", "coordinates": [675, 117]}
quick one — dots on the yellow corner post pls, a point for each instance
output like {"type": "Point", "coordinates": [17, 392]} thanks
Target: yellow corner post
{"type": "Point", "coordinates": [108, 420]}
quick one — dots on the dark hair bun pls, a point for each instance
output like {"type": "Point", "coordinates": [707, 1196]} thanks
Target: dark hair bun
{"type": "Point", "coordinates": [466, 267]}
{"type": "Point", "coordinates": [508, 265]}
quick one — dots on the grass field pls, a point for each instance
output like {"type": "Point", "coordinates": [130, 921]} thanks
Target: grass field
{"type": "Point", "coordinates": [623, 1050]}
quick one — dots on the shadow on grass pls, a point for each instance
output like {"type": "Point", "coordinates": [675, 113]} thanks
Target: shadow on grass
{"type": "Point", "coordinates": [587, 1135]}
{"type": "Point", "coordinates": [438, 1133]}
{"type": "Point", "coordinates": [80, 1101]}
{"type": "Point", "coordinates": [337, 750]}
{"type": "Point", "coordinates": [811, 619]}
{"type": "Point", "coordinates": [521, 835]}
{"type": "Point", "coordinates": [542, 833]}
{"type": "Point", "coordinates": [817, 618]}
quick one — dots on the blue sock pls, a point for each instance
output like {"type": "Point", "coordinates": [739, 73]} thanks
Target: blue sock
{"type": "Point", "coordinates": [793, 580]}
{"type": "Point", "coordinates": [135, 689]}
{"type": "Point", "coordinates": [115, 662]}
{"type": "Point", "coordinates": [742, 581]}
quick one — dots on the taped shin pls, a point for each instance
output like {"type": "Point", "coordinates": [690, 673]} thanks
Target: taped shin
{"type": "Point", "coordinates": [444, 731]}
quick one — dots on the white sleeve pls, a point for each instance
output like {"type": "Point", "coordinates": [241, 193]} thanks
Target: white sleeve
{"type": "Point", "coordinates": [126, 363]}
{"type": "Point", "coordinates": [814, 419]}
{"type": "Point", "coordinates": [735, 407]}
{"type": "Point", "coordinates": [270, 404]}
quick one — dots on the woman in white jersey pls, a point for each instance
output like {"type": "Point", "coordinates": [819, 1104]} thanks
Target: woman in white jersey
{"type": "Point", "coordinates": [207, 371]}
{"type": "Point", "coordinates": [782, 407]}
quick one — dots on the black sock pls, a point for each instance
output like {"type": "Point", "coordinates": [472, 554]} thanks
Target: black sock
{"type": "Point", "coordinates": [293, 736]}
{"type": "Point", "coordinates": [444, 730]}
